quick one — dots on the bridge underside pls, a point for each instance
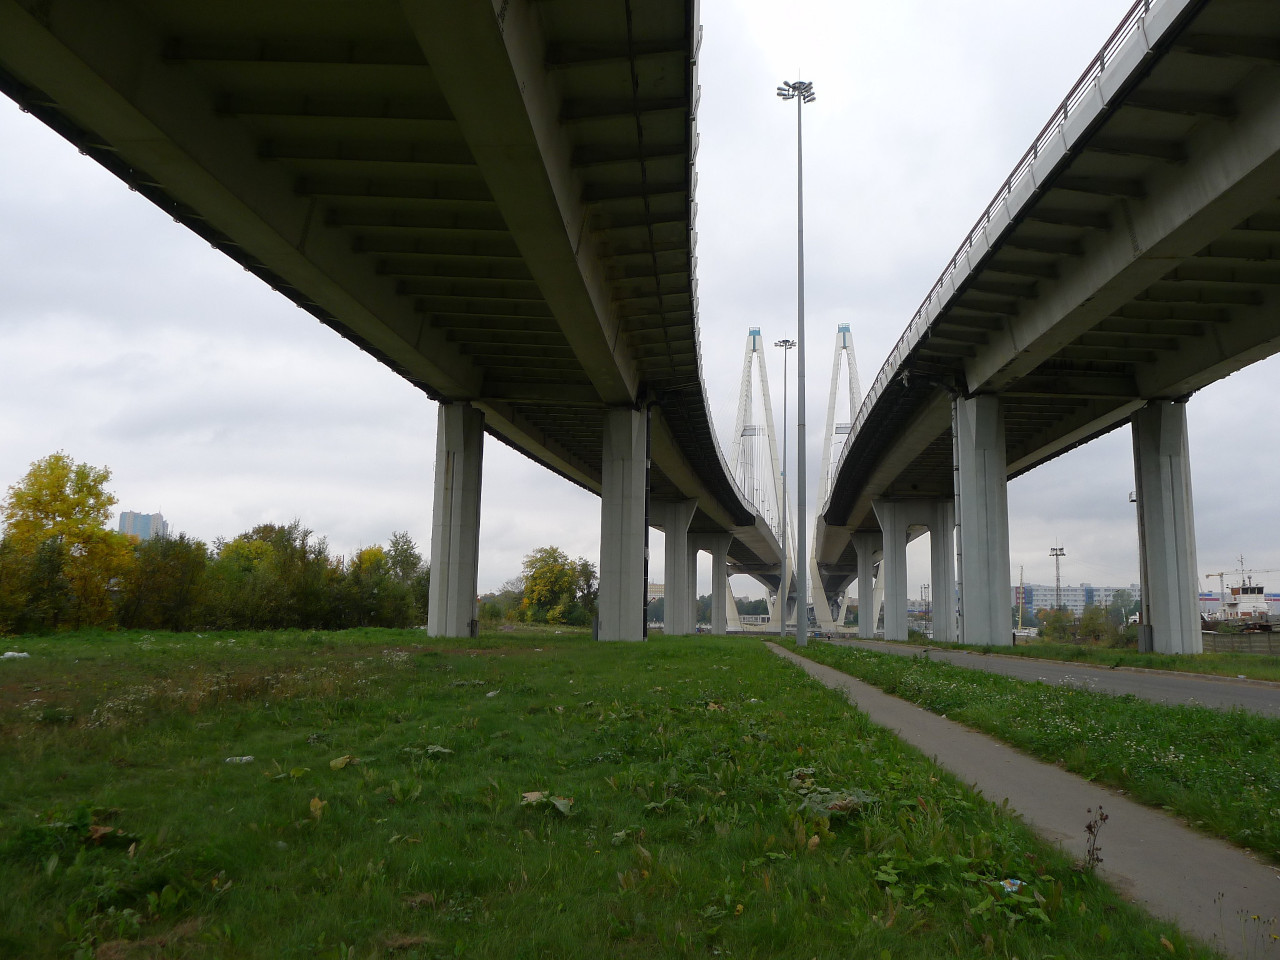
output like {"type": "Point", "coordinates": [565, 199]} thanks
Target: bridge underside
{"type": "Point", "coordinates": [1134, 256]}
{"type": "Point", "coordinates": [495, 203]}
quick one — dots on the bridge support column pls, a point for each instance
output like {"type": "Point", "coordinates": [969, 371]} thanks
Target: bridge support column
{"type": "Point", "coordinates": [866, 545]}
{"type": "Point", "coordinates": [673, 517]}
{"type": "Point", "coordinates": [455, 521]}
{"type": "Point", "coordinates": [821, 601]}
{"type": "Point", "coordinates": [624, 475]}
{"type": "Point", "coordinates": [721, 596]}
{"type": "Point", "coordinates": [893, 566]}
{"type": "Point", "coordinates": [982, 509]}
{"type": "Point", "coordinates": [942, 570]}
{"type": "Point", "coordinates": [780, 611]}
{"type": "Point", "coordinates": [1166, 528]}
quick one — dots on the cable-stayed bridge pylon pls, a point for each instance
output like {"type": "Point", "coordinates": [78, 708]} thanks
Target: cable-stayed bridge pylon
{"type": "Point", "coordinates": [754, 458]}
{"type": "Point", "coordinates": [841, 411]}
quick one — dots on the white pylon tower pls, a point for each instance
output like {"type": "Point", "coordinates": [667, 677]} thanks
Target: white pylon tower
{"type": "Point", "coordinates": [754, 454]}
{"type": "Point", "coordinates": [839, 422]}
{"type": "Point", "coordinates": [838, 429]}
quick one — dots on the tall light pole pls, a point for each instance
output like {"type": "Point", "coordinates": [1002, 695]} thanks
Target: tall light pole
{"type": "Point", "coordinates": [784, 587]}
{"type": "Point", "coordinates": [801, 91]}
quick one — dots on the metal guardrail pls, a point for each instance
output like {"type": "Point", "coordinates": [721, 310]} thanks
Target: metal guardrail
{"type": "Point", "coordinates": [1125, 51]}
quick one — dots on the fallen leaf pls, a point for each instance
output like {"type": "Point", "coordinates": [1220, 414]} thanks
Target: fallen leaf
{"type": "Point", "coordinates": [563, 804]}
{"type": "Point", "coordinates": [317, 807]}
{"type": "Point", "coordinates": [1166, 944]}
{"type": "Point", "coordinates": [436, 748]}
{"type": "Point", "coordinates": [813, 842]}
{"type": "Point", "coordinates": [339, 762]}
{"type": "Point", "coordinates": [533, 796]}
{"type": "Point", "coordinates": [297, 772]}
{"type": "Point", "coordinates": [421, 900]}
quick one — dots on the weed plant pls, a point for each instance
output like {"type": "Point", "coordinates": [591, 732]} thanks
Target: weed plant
{"type": "Point", "coordinates": [1218, 769]}
{"type": "Point", "coordinates": [377, 794]}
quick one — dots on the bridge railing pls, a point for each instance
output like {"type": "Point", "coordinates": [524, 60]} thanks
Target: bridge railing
{"type": "Point", "coordinates": [1125, 51]}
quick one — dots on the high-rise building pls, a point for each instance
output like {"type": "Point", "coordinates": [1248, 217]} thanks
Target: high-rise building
{"type": "Point", "coordinates": [144, 526]}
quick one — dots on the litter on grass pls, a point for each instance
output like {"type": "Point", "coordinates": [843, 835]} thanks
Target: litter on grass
{"type": "Point", "coordinates": [239, 760]}
{"type": "Point", "coordinates": [11, 655]}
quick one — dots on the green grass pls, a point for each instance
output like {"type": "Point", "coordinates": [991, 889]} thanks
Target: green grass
{"type": "Point", "coordinates": [722, 805]}
{"type": "Point", "coordinates": [1218, 769]}
{"type": "Point", "coordinates": [1255, 666]}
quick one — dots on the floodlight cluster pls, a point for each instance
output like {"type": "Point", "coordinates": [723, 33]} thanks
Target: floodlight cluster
{"type": "Point", "coordinates": [790, 89]}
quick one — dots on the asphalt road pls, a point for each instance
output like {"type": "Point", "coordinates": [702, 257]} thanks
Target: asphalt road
{"type": "Point", "coordinates": [1158, 686]}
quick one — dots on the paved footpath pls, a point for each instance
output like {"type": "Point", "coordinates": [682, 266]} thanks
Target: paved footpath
{"type": "Point", "coordinates": [1158, 686]}
{"type": "Point", "coordinates": [1209, 888]}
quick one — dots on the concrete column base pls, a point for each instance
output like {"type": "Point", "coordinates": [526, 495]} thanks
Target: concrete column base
{"type": "Point", "coordinates": [867, 546]}
{"type": "Point", "coordinates": [721, 595]}
{"type": "Point", "coordinates": [455, 521]}
{"type": "Point", "coordinates": [982, 512]}
{"type": "Point", "coordinates": [624, 470]}
{"type": "Point", "coordinates": [893, 566]}
{"type": "Point", "coordinates": [673, 518]}
{"type": "Point", "coordinates": [1166, 528]}
{"type": "Point", "coordinates": [942, 570]}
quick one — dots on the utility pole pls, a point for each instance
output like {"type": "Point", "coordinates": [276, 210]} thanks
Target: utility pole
{"type": "Point", "coordinates": [1057, 553]}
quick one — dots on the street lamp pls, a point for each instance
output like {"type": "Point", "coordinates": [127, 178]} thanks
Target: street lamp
{"type": "Point", "coordinates": [801, 91]}
{"type": "Point", "coordinates": [784, 590]}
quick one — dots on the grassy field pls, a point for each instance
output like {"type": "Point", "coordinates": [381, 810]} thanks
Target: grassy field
{"type": "Point", "coordinates": [1255, 666]}
{"type": "Point", "coordinates": [1218, 769]}
{"type": "Point", "coordinates": [379, 794]}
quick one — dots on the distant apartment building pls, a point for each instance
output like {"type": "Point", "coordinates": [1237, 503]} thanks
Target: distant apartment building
{"type": "Point", "coordinates": [1041, 596]}
{"type": "Point", "coordinates": [144, 526]}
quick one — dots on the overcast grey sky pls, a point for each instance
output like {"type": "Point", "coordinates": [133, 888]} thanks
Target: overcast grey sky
{"type": "Point", "coordinates": [127, 342]}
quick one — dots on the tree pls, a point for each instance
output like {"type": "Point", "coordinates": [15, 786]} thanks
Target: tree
{"type": "Point", "coordinates": [1057, 626]}
{"type": "Point", "coordinates": [377, 598]}
{"type": "Point", "coordinates": [408, 567]}
{"type": "Point", "coordinates": [34, 592]}
{"type": "Point", "coordinates": [1122, 607]}
{"type": "Point", "coordinates": [58, 498]}
{"type": "Point", "coordinates": [557, 589]}
{"type": "Point", "coordinates": [164, 584]}
{"type": "Point", "coordinates": [703, 612]}
{"type": "Point", "coordinates": [55, 525]}
{"type": "Point", "coordinates": [1093, 625]}
{"type": "Point", "coordinates": [505, 603]}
